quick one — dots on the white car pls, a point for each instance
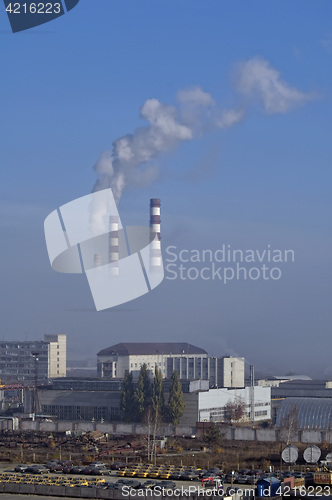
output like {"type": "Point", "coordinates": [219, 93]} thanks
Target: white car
{"type": "Point", "coordinates": [98, 465]}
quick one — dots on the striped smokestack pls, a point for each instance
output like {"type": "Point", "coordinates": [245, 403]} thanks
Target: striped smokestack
{"type": "Point", "coordinates": [113, 245]}
{"type": "Point", "coordinates": [97, 260]}
{"type": "Point", "coordinates": [155, 248]}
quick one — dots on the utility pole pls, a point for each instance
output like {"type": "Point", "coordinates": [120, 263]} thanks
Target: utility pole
{"type": "Point", "coordinates": [35, 405]}
{"type": "Point", "coordinates": [252, 393]}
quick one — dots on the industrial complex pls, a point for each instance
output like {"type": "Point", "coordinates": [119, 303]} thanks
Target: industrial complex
{"type": "Point", "coordinates": [209, 385]}
{"type": "Point", "coordinates": [220, 389]}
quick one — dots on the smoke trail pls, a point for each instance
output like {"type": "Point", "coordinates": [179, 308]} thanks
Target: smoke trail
{"type": "Point", "coordinates": [128, 163]}
{"type": "Point", "coordinates": [257, 78]}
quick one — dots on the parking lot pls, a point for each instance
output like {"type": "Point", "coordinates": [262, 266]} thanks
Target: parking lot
{"type": "Point", "coordinates": [55, 475]}
{"type": "Point", "coordinates": [138, 476]}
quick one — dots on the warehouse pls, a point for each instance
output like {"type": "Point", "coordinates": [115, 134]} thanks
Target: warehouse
{"type": "Point", "coordinates": [305, 413]}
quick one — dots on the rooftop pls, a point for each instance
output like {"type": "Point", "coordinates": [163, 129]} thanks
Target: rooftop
{"type": "Point", "coordinates": [154, 348]}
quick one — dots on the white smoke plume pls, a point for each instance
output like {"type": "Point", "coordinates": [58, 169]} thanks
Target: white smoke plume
{"type": "Point", "coordinates": [129, 162]}
{"type": "Point", "coordinates": [257, 78]}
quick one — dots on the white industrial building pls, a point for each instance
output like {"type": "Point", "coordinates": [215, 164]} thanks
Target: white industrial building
{"type": "Point", "coordinates": [226, 371]}
{"type": "Point", "coordinates": [209, 406]}
{"type": "Point", "coordinates": [191, 362]}
{"type": "Point", "coordinates": [23, 361]}
{"type": "Point", "coordinates": [114, 361]}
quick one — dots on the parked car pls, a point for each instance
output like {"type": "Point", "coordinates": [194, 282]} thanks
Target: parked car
{"type": "Point", "coordinates": [230, 490]}
{"type": "Point", "coordinates": [114, 486]}
{"type": "Point", "coordinates": [86, 471]}
{"type": "Point", "coordinates": [73, 470]}
{"type": "Point", "coordinates": [190, 476]}
{"type": "Point", "coordinates": [97, 464]}
{"type": "Point", "coordinates": [21, 468]}
{"type": "Point", "coordinates": [202, 472]}
{"type": "Point", "coordinates": [214, 470]}
{"type": "Point", "coordinates": [37, 469]}
{"type": "Point", "coordinates": [243, 479]}
{"type": "Point", "coordinates": [132, 483]}
{"type": "Point", "coordinates": [150, 483]}
{"type": "Point", "coordinates": [118, 466]}
{"type": "Point", "coordinates": [99, 471]}
{"type": "Point", "coordinates": [166, 485]}
{"type": "Point", "coordinates": [176, 474]}
{"type": "Point", "coordinates": [229, 476]}
{"type": "Point", "coordinates": [54, 467]}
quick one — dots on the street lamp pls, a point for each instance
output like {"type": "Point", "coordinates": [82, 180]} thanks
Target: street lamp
{"type": "Point", "coordinates": [35, 405]}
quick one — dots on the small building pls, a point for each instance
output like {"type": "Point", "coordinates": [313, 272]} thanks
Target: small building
{"type": "Point", "coordinates": [268, 487]}
{"type": "Point", "coordinates": [209, 406]}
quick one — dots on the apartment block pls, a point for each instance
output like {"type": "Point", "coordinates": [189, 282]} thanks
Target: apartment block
{"type": "Point", "coordinates": [23, 361]}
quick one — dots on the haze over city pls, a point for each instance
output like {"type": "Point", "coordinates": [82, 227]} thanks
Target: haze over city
{"type": "Point", "coordinates": [230, 130]}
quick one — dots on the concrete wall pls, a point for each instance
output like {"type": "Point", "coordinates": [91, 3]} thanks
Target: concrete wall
{"type": "Point", "coordinates": [238, 433]}
{"type": "Point", "coordinates": [76, 492]}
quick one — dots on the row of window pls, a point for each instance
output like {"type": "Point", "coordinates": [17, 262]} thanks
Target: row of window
{"type": "Point", "coordinates": [82, 412]}
{"type": "Point", "coordinates": [22, 346]}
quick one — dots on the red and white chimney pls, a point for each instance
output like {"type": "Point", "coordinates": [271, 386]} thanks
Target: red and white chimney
{"type": "Point", "coordinates": [155, 248]}
{"type": "Point", "coordinates": [113, 247]}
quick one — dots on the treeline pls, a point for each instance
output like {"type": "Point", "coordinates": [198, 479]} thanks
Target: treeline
{"type": "Point", "coordinates": [147, 401]}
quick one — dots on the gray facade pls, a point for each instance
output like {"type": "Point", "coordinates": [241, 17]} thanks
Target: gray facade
{"type": "Point", "coordinates": [23, 361]}
{"type": "Point", "coordinates": [17, 363]}
{"type": "Point", "coordinates": [226, 371]}
{"type": "Point", "coordinates": [81, 405]}
{"type": "Point", "coordinates": [114, 361]}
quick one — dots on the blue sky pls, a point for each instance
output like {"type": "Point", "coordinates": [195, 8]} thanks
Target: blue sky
{"type": "Point", "coordinates": [70, 88]}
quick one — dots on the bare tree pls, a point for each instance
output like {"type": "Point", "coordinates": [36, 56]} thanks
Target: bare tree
{"type": "Point", "coordinates": [234, 410]}
{"type": "Point", "coordinates": [289, 425]}
{"type": "Point", "coordinates": [148, 421]}
{"type": "Point", "coordinates": [157, 421]}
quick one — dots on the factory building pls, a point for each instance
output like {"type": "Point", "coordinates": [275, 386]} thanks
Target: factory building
{"type": "Point", "coordinates": [22, 361]}
{"type": "Point", "coordinates": [86, 399]}
{"type": "Point", "coordinates": [101, 399]}
{"type": "Point", "coordinates": [209, 406]}
{"type": "Point", "coordinates": [191, 363]}
{"type": "Point", "coordinates": [80, 405]}
{"type": "Point", "coordinates": [114, 361]}
{"type": "Point", "coordinates": [297, 413]}
{"type": "Point", "coordinates": [297, 386]}
{"type": "Point", "coordinates": [226, 371]}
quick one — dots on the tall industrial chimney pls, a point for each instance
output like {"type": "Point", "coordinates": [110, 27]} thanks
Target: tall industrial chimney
{"type": "Point", "coordinates": [155, 252]}
{"type": "Point", "coordinates": [113, 244]}
{"type": "Point", "coordinates": [97, 260]}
